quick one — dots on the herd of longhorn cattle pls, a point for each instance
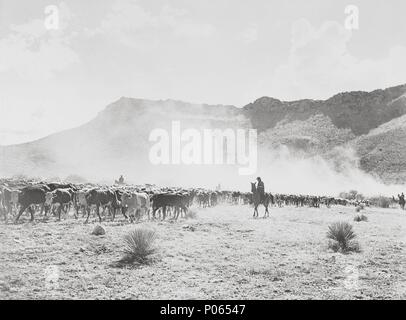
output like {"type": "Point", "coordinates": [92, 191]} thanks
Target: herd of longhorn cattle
{"type": "Point", "coordinates": [133, 202]}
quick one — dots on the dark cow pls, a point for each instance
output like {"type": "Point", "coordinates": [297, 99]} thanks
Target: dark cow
{"type": "Point", "coordinates": [101, 198]}
{"type": "Point", "coordinates": [29, 196]}
{"type": "Point", "coordinates": [43, 187]}
{"type": "Point", "coordinates": [62, 197]}
{"type": "Point", "coordinates": [54, 186]}
{"type": "Point", "coordinates": [164, 201]}
{"type": "Point", "coordinates": [213, 199]}
{"type": "Point", "coordinates": [203, 199]}
{"type": "Point", "coordinates": [235, 196]}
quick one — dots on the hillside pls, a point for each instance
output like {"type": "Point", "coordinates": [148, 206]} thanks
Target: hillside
{"type": "Point", "coordinates": [358, 111]}
{"type": "Point", "coordinates": [117, 142]}
{"type": "Point", "coordinates": [315, 135]}
{"type": "Point", "coordinates": [383, 151]}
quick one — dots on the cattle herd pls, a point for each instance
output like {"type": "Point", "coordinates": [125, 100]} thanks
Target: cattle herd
{"type": "Point", "coordinates": [131, 201]}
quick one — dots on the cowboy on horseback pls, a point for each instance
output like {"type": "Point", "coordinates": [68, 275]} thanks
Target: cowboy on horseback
{"type": "Point", "coordinates": [401, 198]}
{"type": "Point", "coordinates": [261, 189]}
{"type": "Point", "coordinates": [259, 197]}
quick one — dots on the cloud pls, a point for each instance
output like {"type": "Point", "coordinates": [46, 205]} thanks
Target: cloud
{"type": "Point", "coordinates": [250, 34]}
{"type": "Point", "coordinates": [130, 23]}
{"type": "Point", "coordinates": [191, 30]}
{"type": "Point", "coordinates": [35, 53]}
{"type": "Point", "coordinates": [17, 54]}
{"type": "Point", "coordinates": [320, 64]}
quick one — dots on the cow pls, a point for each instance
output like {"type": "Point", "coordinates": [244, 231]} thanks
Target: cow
{"type": "Point", "coordinates": [62, 197]}
{"type": "Point", "coordinates": [29, 196]}
{"type": "Point", "coordinates": [2, 207]}
{"type": "Point", "coordinates": [236, 195]}
{"type": "Point", "coordinates": [9, 199]}
{"type": "Point", "coordinates": [186, 200]}
{"type": "Point", "coordinates": [204, 199]}
{"type": "Point", "coordinates": [54, 186]}
{"type": "Point", "coordinates": [134, 203]}
{"type": "Point", "coordinates": [80, 202]}
{"type": "Point", "coordinates": [164, 201]}
{"type": "Point", "coordinates": [213, 199]}
{"type": "Point", "coordinates": [104, 198]}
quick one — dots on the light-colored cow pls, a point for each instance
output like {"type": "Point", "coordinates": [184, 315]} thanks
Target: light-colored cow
{"type": "Point", "coordinates": [136, 204]}
{"type": "Point", "coordinates": [8, 201]}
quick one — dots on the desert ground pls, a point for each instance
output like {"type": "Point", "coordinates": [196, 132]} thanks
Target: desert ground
{"type": "Point", "coordinates": [221, 253]}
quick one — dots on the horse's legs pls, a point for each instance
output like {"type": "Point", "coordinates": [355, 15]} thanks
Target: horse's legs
{"type": "Point", "coordinates": [255, 210]}
{"type": "Point", "coordinates": [266, 214]}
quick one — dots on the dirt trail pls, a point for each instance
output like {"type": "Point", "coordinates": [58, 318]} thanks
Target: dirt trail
{"type": "Point", "coordinates": [221, 254]}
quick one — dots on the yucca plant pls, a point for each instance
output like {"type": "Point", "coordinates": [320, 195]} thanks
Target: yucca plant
{"type": "Point", "coordinates": [342, 236]}
{"type": "Point", "coordinates": [139, 245]}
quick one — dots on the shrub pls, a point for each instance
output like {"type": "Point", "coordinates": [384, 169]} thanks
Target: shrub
{"type": "Point", "coordinates": [342, 237]}
{"type": "Point", "coordinates": [138, 245]}
{"type": "Point", "coordinates": [352, 195]}
{"type": "Point", "coordinates": [381, 201]}
{"type": "Point", "coordinates": [359, 218]}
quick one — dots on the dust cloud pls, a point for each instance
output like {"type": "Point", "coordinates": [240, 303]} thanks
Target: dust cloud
{"type": "Point", "coordinates": [117, 142]}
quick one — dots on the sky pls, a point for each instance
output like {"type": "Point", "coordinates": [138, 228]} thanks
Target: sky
{"type": "Point", "coordinates": [58, 75]}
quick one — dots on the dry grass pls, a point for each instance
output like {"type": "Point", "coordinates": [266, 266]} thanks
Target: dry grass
{"type": "Point", "coordinates": [230, 255]}
{"type": "Point", "coordinates": [139, 246]}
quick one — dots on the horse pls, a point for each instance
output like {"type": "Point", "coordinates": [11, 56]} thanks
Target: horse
{"type": "Point", "coordinates": [256, 197]}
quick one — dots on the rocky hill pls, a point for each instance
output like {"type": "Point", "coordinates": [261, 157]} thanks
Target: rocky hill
{"type": "Point", "coordinates": [359, 111]}
{"type": "Point", "coordinates": [117, 140]}
{"type": "Point", "coordinates": [383, 151]}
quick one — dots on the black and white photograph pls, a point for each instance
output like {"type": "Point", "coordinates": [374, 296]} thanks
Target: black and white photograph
{"type": "Point", "coordinates": [191, 150]}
